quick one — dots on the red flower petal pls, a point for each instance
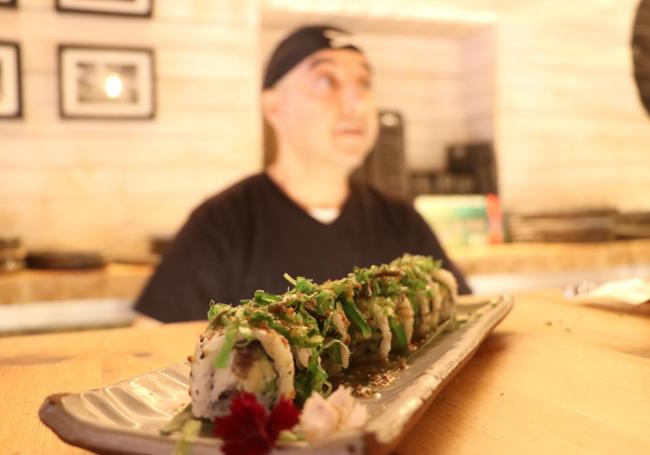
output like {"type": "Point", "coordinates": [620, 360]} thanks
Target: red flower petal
{"type": "Point", "coordinates": [284, 416]}
{"type": "Point", "coordinates": [244, 430]}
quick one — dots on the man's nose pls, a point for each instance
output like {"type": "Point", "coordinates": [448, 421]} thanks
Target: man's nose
{"type": "Point", "coordinates": [353, 99]}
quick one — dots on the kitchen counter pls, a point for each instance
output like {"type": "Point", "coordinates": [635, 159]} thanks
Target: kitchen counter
{"type": "Point", "coordinates": [126, 280]}
{"type": "Point", "coordinates": [549, 257]}
{"type": "Point", "coordinates": [554, 377]}
{"type": "Point", "coordinates": [115, 280]}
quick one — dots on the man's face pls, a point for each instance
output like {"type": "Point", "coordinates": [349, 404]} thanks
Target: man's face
{"type": "Point", "coordinates": [325, 109]}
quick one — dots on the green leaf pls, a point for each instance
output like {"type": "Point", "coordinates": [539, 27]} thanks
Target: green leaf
{"type": "Point", "coordinates": [352, 312]}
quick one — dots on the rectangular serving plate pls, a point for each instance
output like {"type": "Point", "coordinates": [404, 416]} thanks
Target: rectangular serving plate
{"type": "Point", "coordinates": [126, 418]}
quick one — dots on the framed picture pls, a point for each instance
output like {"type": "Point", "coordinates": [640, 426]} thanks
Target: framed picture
{"type": "Point", "coordinates": [11, 105]}
{"type": "Point", "coordinates": [8, 3]}
{"type": "Point", "coordinates": [97, 82]}
{"type": "Point", "coordinates": [141, 8]}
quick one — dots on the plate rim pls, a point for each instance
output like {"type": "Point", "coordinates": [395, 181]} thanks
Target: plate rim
{"type": "Point", "coordinates": [81, 433]}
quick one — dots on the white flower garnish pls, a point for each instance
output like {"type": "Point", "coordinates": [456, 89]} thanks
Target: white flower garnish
{"type": "Point", "coordinates": [341, 411]}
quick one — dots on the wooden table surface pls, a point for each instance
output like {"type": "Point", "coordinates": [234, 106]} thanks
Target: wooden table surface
{"type": "Point", "coordinates": [553, 378]}
{"type": "Point", "coordinates": [115, 280]}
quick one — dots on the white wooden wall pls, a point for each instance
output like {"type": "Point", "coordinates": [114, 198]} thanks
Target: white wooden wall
{"type": "Point", "coordinates": [110, 184]}
{"type": "Point", "coordinates": [572, 130]}
{"type": "Point", "coordinates": [569, 128]}
{"type": "Point", "coordinates": [478, 62]}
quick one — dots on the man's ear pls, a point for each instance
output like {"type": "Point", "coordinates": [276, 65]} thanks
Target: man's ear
{"type": "Point", "coordinates": [271, 105]}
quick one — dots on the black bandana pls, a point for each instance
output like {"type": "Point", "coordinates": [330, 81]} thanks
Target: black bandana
{"type": "Point", "coordinates": [299, 45]}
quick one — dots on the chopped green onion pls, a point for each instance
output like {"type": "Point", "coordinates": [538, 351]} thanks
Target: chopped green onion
{"type": "Point", "coordinates": [304, 285]}
{"type": "Point", "coordinates": [265, 297]}
{"type": "Point", "coordinates": [222, 357]}
{"type": "Point", "coordinates": [289, 436]}
{"type": "Point", "coordinates": [338, 353]}
{"type": "Point", "coordinates": [318, 375]}
{"type": "Point", "coordinates": [217, 309]}
{"type": "Point", "coordinates": [398, 332]}
{"type": "Point", "coordinates": [352, 312]}
{"type": "Point", "coordinates": [177, 422]}
{"type": "Point", "coordinates": [289, 279]}
{"type": "Point", "coordinates": [189, 433]}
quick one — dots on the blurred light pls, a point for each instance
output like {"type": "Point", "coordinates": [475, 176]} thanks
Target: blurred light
{"type": "Point", "coordinates": [389, 119]}
{"type": "Point", "coordinates": [113, 86]}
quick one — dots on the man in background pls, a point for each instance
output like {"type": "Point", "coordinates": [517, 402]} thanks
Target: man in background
{"type": "Point", "coordinates": [302, 215]}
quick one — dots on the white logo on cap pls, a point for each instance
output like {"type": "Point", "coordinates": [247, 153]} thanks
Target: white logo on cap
{"type": "Point", "coordinates": [339, 39]}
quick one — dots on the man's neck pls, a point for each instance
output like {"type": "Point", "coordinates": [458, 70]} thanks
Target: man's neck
{"type": "Point", "coordinates": [310, 186]}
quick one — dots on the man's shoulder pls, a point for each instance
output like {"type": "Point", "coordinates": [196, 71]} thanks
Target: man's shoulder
{"type": "Point", "coordinates": [236, 194]}
{"type": "Point", "coordinates": [370, 195]}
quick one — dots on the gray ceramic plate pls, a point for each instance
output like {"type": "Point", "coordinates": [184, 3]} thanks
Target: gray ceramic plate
{"type": "Point", "coordinates": [125, 418]}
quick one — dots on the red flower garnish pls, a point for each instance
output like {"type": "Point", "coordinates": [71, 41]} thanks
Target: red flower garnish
{"type": "Point", "coordinates": [250, 429]}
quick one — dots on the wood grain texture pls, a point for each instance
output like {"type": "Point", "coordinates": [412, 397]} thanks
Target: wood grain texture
{"type": "Point", "coordinates": [116, 280]}
{"type": "Point", "coordinates": [145, 174]}
{"type": "Point", "coordinates": [555, 377]}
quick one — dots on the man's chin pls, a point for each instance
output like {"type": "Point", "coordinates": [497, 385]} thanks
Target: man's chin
{"type": "Point", "coordinates": [350, 159]}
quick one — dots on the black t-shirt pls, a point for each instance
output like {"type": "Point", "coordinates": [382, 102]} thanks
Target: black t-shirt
{"type": "Point", "coordinates": [248, 236]}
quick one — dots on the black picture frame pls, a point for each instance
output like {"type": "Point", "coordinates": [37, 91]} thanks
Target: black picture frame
{"type": "Point", "coordinates": [67, 109]}
{"type": "Point", "coordinates": [95, 7]}
{"type": "Point", "coordinates": [9, 4]}
{"type": "Point", "coordinates": [17, 111]}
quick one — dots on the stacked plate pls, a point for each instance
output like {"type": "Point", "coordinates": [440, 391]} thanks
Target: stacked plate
{"type": "Point", "coordinates": [632, 225]}
{"type": "Point", "coordinates": [579, 225]}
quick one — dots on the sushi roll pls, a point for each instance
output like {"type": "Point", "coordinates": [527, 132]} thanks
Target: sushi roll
{"type": "Point", "coordinates": [290, 345]}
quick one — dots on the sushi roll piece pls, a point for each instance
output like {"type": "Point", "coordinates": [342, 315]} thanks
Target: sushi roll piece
{"type": "Point", "coordinates": [290, 345]}
{"type": "Point", "coordinates": [258, 361]}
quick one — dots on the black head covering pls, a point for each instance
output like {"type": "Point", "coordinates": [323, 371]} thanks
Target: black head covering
{"type": "Point", "coordinates": [300, 44]}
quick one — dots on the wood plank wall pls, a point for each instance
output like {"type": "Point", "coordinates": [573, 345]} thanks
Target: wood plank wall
{"type": "Point", "coordinates": [478, 60]}
{"type": "Point", "coordinates": [569, 127]}
{"type": "Point", "coordinates": [570, 130]}
{"type": "Point", "coordinates": [110, 184]}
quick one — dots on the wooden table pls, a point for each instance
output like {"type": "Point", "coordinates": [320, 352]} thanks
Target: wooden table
{"type": "Point", "coordinates": [114, 280]}
{"type": "Point", "coordinates": [553, 378]}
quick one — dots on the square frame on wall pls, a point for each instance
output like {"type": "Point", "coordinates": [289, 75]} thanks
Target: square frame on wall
{"type": "Point", "coordinates": [134, 8]}
{"type": "Point", "coordinates": [103, 82]}
{"type": "Point", "coordinates": [11, 99]}
{"type": "Point", "coordinates": [8, 3]}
